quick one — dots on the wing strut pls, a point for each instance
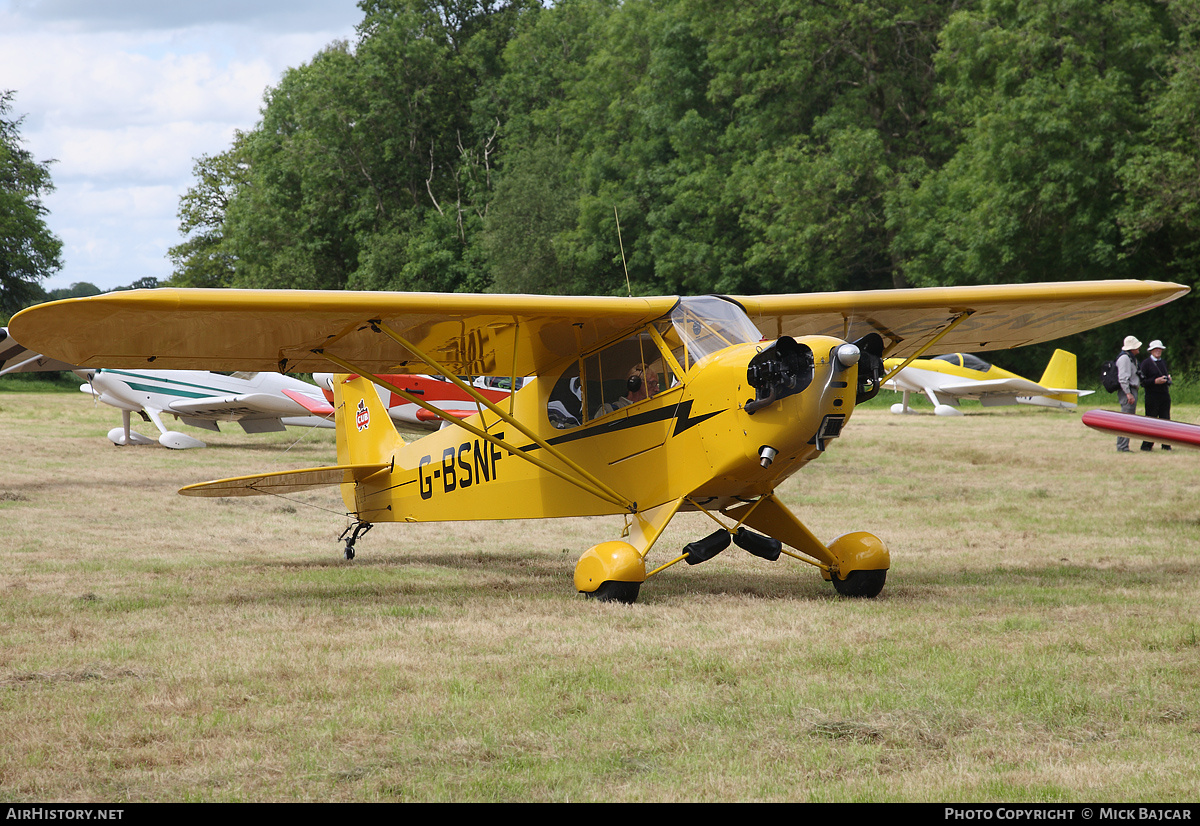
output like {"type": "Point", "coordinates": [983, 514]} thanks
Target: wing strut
{"type": "Point", "coordinates": [803, 539]}
{"type": "Point", "coordinates": [584, 480]}
{"type": "Point", "coordinates": [923, 349]}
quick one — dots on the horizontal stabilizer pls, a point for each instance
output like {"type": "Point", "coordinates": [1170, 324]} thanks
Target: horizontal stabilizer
{"type": "Point", "coordinates": [289, 481]}
{"type": "Point", "coordinates": [424, 415]}
{"type": "Point", "coordinates": [312, 405]}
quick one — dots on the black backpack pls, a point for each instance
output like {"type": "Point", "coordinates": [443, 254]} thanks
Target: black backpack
{"type": "Point", "coordinates": [1108, 375]}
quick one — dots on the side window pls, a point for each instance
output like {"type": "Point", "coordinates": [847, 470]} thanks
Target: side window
{"type": "Point", "coordinates": [625, 373]}
{"type": "Point", "coordinates": [565, 408]}
{"type": "Point", "coordinates": [621, 374]}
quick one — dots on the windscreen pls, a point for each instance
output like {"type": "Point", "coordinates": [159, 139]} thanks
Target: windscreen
{"type": "Point", "coordinates": [706, 324]}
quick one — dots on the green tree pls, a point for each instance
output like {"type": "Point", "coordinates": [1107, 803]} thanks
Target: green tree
{"type": "Point", "coordinates": [743, 148]}
{"type": "Point", "coordinates": [831, 105]}
{"type": "Point", "coordinates": [79, 289]}
{"type": "Point", "coordinates": [535, 204]}
{"type": "Point", "coordinates": [290, 221]}
{"type": "Point", "coordinates": [28, 250]}
{"type": "Point", "coordinates": [1160, 216]}
{"type": "Point", "coordinates": [372, 167]}
{"type": "Point", "coordinates": [1048, 99]}
{"type": "Point", "coordinates": [204, 259]}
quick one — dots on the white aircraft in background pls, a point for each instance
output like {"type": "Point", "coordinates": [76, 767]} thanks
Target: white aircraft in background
{"type": "Point", "coordinates": [259, 402]}
{"type": "Point", "coordinates": [945, 380]}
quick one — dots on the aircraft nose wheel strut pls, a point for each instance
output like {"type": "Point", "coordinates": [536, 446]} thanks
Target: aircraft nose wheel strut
{"type": "Point", "coordinates": [355, 531]}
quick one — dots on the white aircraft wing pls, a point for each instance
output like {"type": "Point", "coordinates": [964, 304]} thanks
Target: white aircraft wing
{"type": "Point", "coordinates": [1006, 387]}
{"type": "Point", "coordinates": [995, 387]}
{"type": "Point", "coordinates": [236, 407]}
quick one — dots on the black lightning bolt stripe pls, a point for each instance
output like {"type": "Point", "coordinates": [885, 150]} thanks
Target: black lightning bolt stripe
{"type": "Point", "coordinates": [681, 413]}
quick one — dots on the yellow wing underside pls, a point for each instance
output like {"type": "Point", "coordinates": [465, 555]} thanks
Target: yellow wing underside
{"type": "Point", "coordinates": [288, 331]}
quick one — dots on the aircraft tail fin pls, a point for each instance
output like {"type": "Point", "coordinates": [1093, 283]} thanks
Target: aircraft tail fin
{"type": "Point", "coordinates": [1062, 375]}
{"type": "Point", "coordinates": [365, 432]}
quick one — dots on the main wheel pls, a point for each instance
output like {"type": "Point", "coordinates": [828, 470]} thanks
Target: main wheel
{"type": "Point", "coordinates": [612, 591]}
{"type": "Point", "coordinates": [861, 583]}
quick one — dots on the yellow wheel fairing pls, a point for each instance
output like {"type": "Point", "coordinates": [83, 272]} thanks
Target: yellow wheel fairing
{"type": "Point", "coordinates": [859, 551]}
{"type": "Point", "coordinates": [613, 561]}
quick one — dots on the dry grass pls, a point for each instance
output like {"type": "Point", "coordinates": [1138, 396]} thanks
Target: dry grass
{"type": "Point", "coordinates": [1037, 639]}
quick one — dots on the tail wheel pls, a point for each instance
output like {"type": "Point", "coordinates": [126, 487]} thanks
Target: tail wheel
{"type": "Point", "coordinates": [864, 584]}
{"type": "Point", "coordinates": [611, 591]}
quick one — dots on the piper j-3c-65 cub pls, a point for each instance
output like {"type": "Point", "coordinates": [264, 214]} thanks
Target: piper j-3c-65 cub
{"type": "Point", "coordinates": [642, 407]}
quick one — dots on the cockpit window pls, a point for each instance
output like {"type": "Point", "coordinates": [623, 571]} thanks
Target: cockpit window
{"type": "Point", "coordinates": [705, 324]}
{"type": "Point", "coordinates": [965, 360]}
{"type": "Point", "coordinates": [637, 368]}
{"type": "Point", "coordinates": [623, 373]}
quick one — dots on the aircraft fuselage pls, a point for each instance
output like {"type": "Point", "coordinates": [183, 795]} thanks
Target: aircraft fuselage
{"type": "Point", "coordinates": [696, 439]}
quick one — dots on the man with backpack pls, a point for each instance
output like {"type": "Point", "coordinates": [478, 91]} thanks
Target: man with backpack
{"type": "Point", "coordinates": [1128, 383]}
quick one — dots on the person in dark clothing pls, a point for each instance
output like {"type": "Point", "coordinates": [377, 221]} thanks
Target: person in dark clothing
{"type": "Point", "coordinates": [1156, 381]}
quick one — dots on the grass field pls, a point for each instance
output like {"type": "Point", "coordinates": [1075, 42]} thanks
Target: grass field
{"type": "Point", "coordinates": [1038, 638]}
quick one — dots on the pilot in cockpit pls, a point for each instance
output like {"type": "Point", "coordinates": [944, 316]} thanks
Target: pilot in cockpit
{"type": "Point", "coordinates": [641, 383]}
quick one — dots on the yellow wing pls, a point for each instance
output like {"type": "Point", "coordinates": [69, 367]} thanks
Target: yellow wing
{"type": "Point", "coordinates": [260, 330]}
{"type": "Point", "coordinates": [268, 330]}
{"type": "Point", "coordinates": [1000, 317]}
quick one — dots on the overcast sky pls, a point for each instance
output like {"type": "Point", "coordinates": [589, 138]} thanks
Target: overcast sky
{"type": "Point", "coordinates": [125, 94]}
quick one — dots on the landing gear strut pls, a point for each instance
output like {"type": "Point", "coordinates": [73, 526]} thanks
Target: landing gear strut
{"type": "Point", "coordinates": [356, 530]}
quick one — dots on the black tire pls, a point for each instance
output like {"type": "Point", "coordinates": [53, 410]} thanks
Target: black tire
{"type": "Point", "coordinates": [865, 584]}
{"type": "Point", "coordinates": [610, 591]}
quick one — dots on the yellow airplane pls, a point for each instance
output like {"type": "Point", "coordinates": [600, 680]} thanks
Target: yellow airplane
{"type": "Point", "coordinates": [642, 407]}
{"type": "Point", "coordinates": [947, 379]}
